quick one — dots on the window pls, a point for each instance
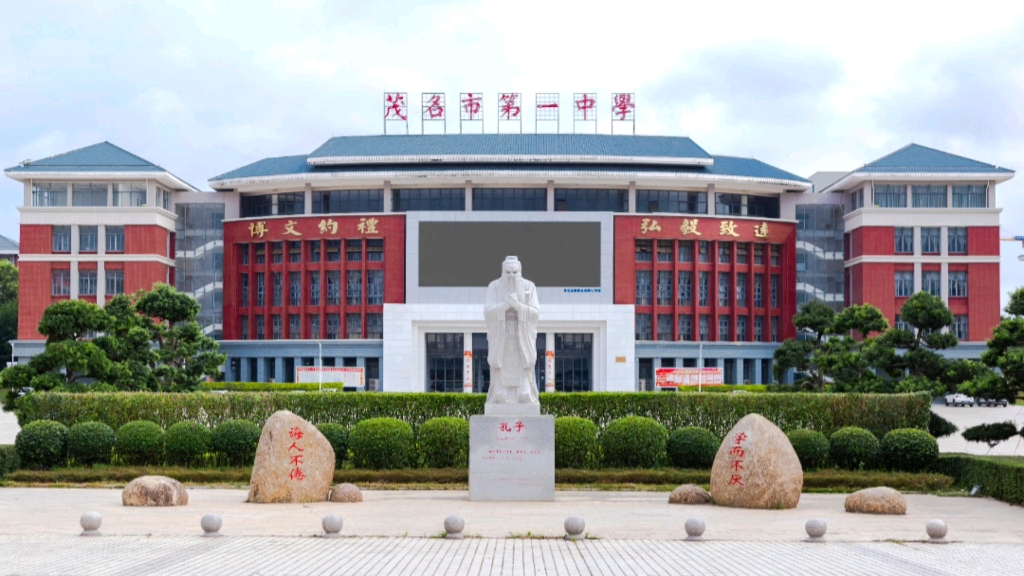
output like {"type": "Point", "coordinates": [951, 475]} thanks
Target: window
{"type": "Point", "coordinates": [87, 282]}
{"type": "Point", "coordinates": [62, 238]}
{"type": "Point", "coordinates": [520, 199]}
{"type": "Point", "coordinates": [333, 326]}
{"type": "Point", "coordinates": [901, 325]}
{"type": "Point", "coordinates": [275, 326]}
{"type": "Point", "coordinates": [294, 327]}
{"type": "Point", "coordinates": [775, 290]}
{"type": "Point", "coordinates": [703, 326]}
{"type": "Point", "coordinates": [741, 328]}
{"type": "Point", "coordinates": [703, 289]}
{"type": "Point", "coordinates": [728, 204]}
{"type": "Point", "coordinates": [801, 261]}
{"type": "Point", "coordinates": [643, 288]}
{"type": "Point", "coordinates": [314, 288]}
{"type": "Point", "coordinates": [890, 196]}
{"type": "Point", "coordinates": [444, 362]}
{"type": "Point", "coordinates": [254, 206]}
{"type": "Point", "coordinates": [88, 237]}
{"type": "Point", "coordinates": [928, 196]}
{"type": "Point", "coordinates": [314, 327]}
{"type": "Point", "coordinates": [665, 288]}
{"type": "Point", "coordinates": [665, 250]}
{"type": "Point", "coordinates": [261, 252]}
{"type": "Point", "coordinates": [644, 250]}
{"type": "Point", "coordinates": [723, 328]}
{"type": "Point", "coordinates": [353, 326]}
{"type": "Point", "coordinates": [295, 288]}
{"type": "Point", "coordinates": [88, 194]}
{"type": "Point", "coordinates": [741, 290]}
{"type": "Point", "coordinates": [334, 250]}
{"type": "Point", "coordinates": [930, 240]}
{"type": "Point", "coordinates": [685, 327]}
{"type": "Point", "coordinates": [374, 287]}
{"type": "Point", "coordinates": [375, 326]}
{"type": "Point", "coordinates": [163, 198]}
{"type": "Point", "coordinates": [261, 289]}
{"type": "Point", "coordinates": [295, 251]}
{"type": "Point", "coordinates": [763, 206]}
{"type": "Point", "coordinates": [354, 250]}
{"type": "Point", "coordinates": [643, 327]}
{"type": "Point", "coordinates": [958, 284]}
{"type": "Point", "coordinates": [904, 283]}
{"type": "Point", "coordinates": [591, 200]}
{"type": "Point", "coordinates": [686, 288]}
{"type": "Point", "coordinates": [702, 252]}
{"type": "Point", "coordinates": [758, 291]}
{"type": "Point", "coordinates": [243, 326]}
{"type": "Point", "coordinates": [904, 240]}
{"type": "Point", "coordinates": [960, 327]}
{"type": "Point", "coordinates": [407, 200]}
{"type": "Point", "coordinates": [60, 282]}
{"type": "Point", "coordinates": [243, 254]}
{"type": "Point", "coordinates": [278, 288]}
{"type": "Point", "coordinates": [115, 239]}
{"type": "Point", "coordinates": [333, 287]}
{"type": "Point", "coordinates": [931, 283]}
{"type": "Point", "coordinates": [970, 196]}
{"type": "Point", "coordinates": [759, 254]}
{"type": "Point", "coordinates": [685, 250]}
{"type": "Point", "coordinates": [672, 201]}
{"type": "Point", "coordinates": [348, 201]}
{"type": "Point", "coordinates": [957, 240]}
{"type": "Point", "coordinates": [130, 194]}
{"type": "Point", "coordinates": [742, 253]}
{"type": "Point", "coordinates": [114, 282]}
{"type": "Point", "coordinates": [375, 250]}
{"type": "Point", "coordinates": [665, 327]}
{"type": "Point", "coordinates": [314, 250]}
{"type": "Point", "coordinates": [291, 203]}
{"type": "Point", "coordinates": [354, 287]}
{"type": "Point", "coordinates": [776, 252]}
{"type": "Point", "coordinates": [775, 329]}
{"type": "Point", "coordinates": [723, 289]}
{"type": "Point", "coordinates": [50, 194]}
{"type": "Point", "coordinates": [243, 287]}
{"type": "Point", "coordinates": [276, 252]}
{"type": "Point", "coordinates": [725, 252]}
{"type": "Point", "coordinates": [758, 328]}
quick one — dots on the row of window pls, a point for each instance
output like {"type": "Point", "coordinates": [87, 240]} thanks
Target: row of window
{"type": "Point", "coordinates": [332, 296]}
{"type": "Point", "coordinates": [123, 194]}
{"type": "Point", "coordinates": [931, 282]}
{"type": "Point", "coordinates": [922, 196]}
{"type": "Point", "coordinates": [60, 282]}
{"type": "Point", "coordinates": [959, 328]}
{"type": "Point", "coordinates": [685, 328]}
{"type": "Point", "coordinates": [931, 240]}
{"type": "Point", "coordinates": [684, 292]}
{"type": "Point", "coordinates": [314, 251]}
{"type": "Point", "coordinates": [353, 327]}
{"type": "Point", "coordinates": [685, 252]}
{"type": "Point", "coordinates": [88, 239]}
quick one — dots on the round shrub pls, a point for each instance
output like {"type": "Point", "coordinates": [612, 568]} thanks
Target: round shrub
{"type": "Point", "coordinates": [812, 448]}
{"type": "Point", "coordinates": [337, 435]}
{"type": "Point", "coordinates": [634, 442]}
{"type": "Point", "coordinates": [381, 443]}
{"type": "Point", "coordinates": [908, 449]}
{"type": "Point", "coordinates": [90, 443]}
{"type": "Point", "coordinates": [576, 443]}
{"type": "Point", "coordinates": [235, 441]}
{"type": "Point", "coordinates": [444, 443]}
{"type": "Point", "coordinates": [692, 447]}
{"type": "Point", "coordinates": [9, 461]}
{"type": "Point", "coordinates": [140, 442]}
{"type": "Point", "coordinates": [187, 442]}
{"type": "Point", "coordinates": [853, 448]}
{"type": "Point", "coordinates": [42, 444]}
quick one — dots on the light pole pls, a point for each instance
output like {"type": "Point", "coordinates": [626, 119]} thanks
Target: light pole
{"type": "Point", "coordinates": [320, 371]}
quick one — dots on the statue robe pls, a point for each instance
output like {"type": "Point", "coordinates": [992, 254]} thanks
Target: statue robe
{"type": "Point", "coordinates": [503, 339]}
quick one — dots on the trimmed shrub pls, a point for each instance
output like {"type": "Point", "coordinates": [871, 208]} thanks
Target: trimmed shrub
{"type": "Point", "coordinates": [90, 443]}
{"type": "Point", "coordinates": [187, 443]}
{"type": "Point", "coordinates": [1000, 477]}
{"type": "Point", "coordinates": [576, 443]}
{"type": "Point", "coordinates": [812, 448]}
{"type": "Point", "coordinates": [634, 442]}
{"type": "Point", "coordinates": [853, 448]}
{"type": "Point", "coordinates": [992, 433]}
{"type": "Point", "coordinates": [444, 443]}
{"type": "Point", "coordinates": [42, 444]}
{"type": "Point", "coordinates": [9, 461]}
{"type": "Point", "coordinates": [381, 443]}
{"type": "Point", "coordinates": [940, 427]}
{"type": "Point", "coordinates": [235, 442]}
{"type": "Point", "coordinates": [909, 450]}
{"type": "Point", "coordinates": [692, 447]}
{"type": "Point", "coordinates": [337, 435]}
{"type": "Point", "coordinates": [139, 443]}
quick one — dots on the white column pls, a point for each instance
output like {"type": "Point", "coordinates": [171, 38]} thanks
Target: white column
{"type": "Point", "coordinates": [549, 362]}
{"type": "Point", "coordinates": [110, 194]}
{"type": "Point", "coordinates": [150, 193]}
{"type": "Point", "coordinates": [944, 282]}
{"type": "Point", "coordinates": [917, 240]}
{"type": "Point", "coordinates": [273, 210]}
{"type": "Point", "coordinates": [469, 196]}
{"type": "Point", "coordinates": [917, 277]}
{"type": "Point", "coordinates": [308, 199]}
{"type": "Point", "coordinates": [551, 195]}
{"type": "Point", "coordinates": [27, 198]}
{"type": "Point", "coordinates": [74, 279]}
{"type": "Point", "coordinates": [711, 199]}
{"type": "Point", "coordinates": [869, 195]}
{"type": "Point", "coordinates": [101, 239]}
{"type": "Point", "coordinates": [632, 197]}
{"type": "Point", "coordinates": [74, 239]}
{"type": "Point", "coordinates": [467, 362]}
{"type": "Point", "coordinates": [949, 198]}
{"type": "Point", "coordinates": [944, 241]}
{"type": "Point", "coordinates": [101, 284]}
{"type": "Point", "coordinates": [387, 197]}
{"type": "Point", "coordinates": [991, 194]}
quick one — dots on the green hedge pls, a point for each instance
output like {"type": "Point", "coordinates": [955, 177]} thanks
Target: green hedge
{"type": "Point", "coordinates": [382, 444]}
{"type": "Point", "coordinates": [853, 448]}
{"type": "Point", "coordinates": [267, 386]}
{"type": "Point", "coordinates": [337, 435]}
{"type": "Point", "coordinates": [692, 447]}
{"type": "Point", "coordinates": [235, 442]}
{"type": "Point", "coordinates": [634, 442]}
{"type": "Point", "coordinates": [908, 450]}
{"type": "Point", "coordinates": [811, 447]}
{"type": "Point", "coordinates": [718, 413]}
{"type": "Point", "coordinates": [186, 443]}
{"type": "Point", "coordinates": [9, 461]}
{"type": "Point", "coordinates": [576, 443]}
{"type": "Point", "coordinates": [999, 477]}
{"type": "Point", "coordinates": [139, 443]}
{"type": "Point", "coordinates": [444, 443]}
{"type": "Point", "coordinates": [42, 444]}
{"type": "Point", "coordinates": [90, 443]}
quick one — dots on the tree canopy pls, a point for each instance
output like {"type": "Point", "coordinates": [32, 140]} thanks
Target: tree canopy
{"type": "Point", "coordinates": [8, 309]}
{"type": "Point", "coordinates": [1005, 352]}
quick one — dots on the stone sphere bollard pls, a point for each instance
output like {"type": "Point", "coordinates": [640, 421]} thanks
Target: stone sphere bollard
{"type": "Point", "coordinates": [211, 524]}
{"type": "Point", "coordinates": [694, 528]}
{"type": "Point", "coordinates": [90, 522]}
{"type": "Point", "coordinates": [453, 526]}
{"type": "Point", "coordinates": [332, 526]}
{"type": "Point", "coordinates": [574, 527]}
{"type": "Point", "coordinates": [936, 530]}
{"type": "Point", "coordinates": [816, 528]}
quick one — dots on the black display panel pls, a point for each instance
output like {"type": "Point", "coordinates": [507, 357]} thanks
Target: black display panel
{"type": "Point", "coordinates": [553, 254]}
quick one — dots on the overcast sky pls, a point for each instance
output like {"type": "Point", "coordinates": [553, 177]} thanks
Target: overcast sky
{"type": "Point", "coordinates": [202, 87]}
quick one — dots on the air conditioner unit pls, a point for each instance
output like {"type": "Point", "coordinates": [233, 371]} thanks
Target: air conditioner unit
{"type": "Point", "coordinates": [373, 384]}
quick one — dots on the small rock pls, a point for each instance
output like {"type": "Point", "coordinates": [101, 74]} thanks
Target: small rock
{"type": "Point", "coordinates": [154, 491]}
{"type": "Point", "coordinates": [689, 494]}
{"type": "Point", "coordinates": [346, 492]}
{"type": "Point", "coordinates": [453, 527]}
{"type": "Point", "coordinates": [211, 524]}
{"type": "Point", "coordinates": [756, 467]}
{"type": "Point", "coordinates": [878, 500]}
{"type": "Point", "coordinates": [574, 527]}
{"type": "Point", "coordinates": [694, 528]}
{"type": "Point", "coordinates": [331, 525]}
{"type": "Point", "coordinates": [816, 528]}
{"type": "Point", "coordinates": [91, 522]}
{"type": "Point", "coordinates": [294, 462]}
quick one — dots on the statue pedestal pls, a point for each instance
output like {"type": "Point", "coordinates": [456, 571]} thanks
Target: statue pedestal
{"type": "Point", "coordinates": [512, 457]}
{"type": "Point", "coordinates": [511, 410]}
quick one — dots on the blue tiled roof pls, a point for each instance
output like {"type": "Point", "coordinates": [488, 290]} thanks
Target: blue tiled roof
{"type": "Point", "coordinates": [278, 166]}
{"type": "Point", "coordinates": [7, 245]}
{"type": "Point", "coordinates": [917, 158]}
{"type": "Point", "coordinates": [749, 168]}
{"type": "Point", "coordinates": [511, 144]}
{"type": "Point", "coordinates": [102, 157]}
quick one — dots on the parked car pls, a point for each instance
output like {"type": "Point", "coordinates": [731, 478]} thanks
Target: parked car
{"type": "Point", "coordinates": [992, 402]}
{"type": "Point", "coordinates": [959, 400]}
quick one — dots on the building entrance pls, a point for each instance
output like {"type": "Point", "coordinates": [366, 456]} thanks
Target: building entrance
{"type": "Point", "coordinates": [444, 362]}
{"type": "Point", "coordinates": [482, 370]}
{"type": "Point", "coordinates": [574, 361]}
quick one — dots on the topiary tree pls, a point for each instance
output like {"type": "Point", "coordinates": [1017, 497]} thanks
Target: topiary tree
{"type": "Point", "coordinates": [140, 442]}
{"type": "Point", "coordinates": [186, 443]}
{"type": "Point", "coordinates": [991, 434]}
{"type": "Point", "coordinates": [692, 447]}
{"type": "Point", "coordinates": [576, 443]}
{"type": "Point", "coordinates": [811, 447]}
{"type": "Point", "coordinates": [920, 367]}
{"type": "Point", "coordinates": [90, 443]}
{"type": "Point", "coordinates": [939, 427]}
{"type": "Point", "coordinates": [42, 444]}
{"type": "Point", "coordinates": [337, 435]}
{"type": "Point", "coordinates": [381, 443]}
{"type": "Point", "coordinates": [634, 442]}
{"type": "Point", "coordinates": [1005, 351]}
{"type": "Point", "coordinates": [235, 442]}
{"type": "Point", "coordinates": [444, 443]}
{"type": "Point", "coordinates": [908, 449]}
{"type": "Point", "coordinates": [853, 448]}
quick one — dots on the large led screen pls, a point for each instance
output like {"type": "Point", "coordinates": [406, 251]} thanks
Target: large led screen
{"type": "Point", "coordinates": [553, 254]}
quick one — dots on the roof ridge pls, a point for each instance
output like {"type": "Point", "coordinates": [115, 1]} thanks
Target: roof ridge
{"type": "Point", "coordinates": [930, 149]}
{"type": "Point", "coordinates": [132, 154]}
